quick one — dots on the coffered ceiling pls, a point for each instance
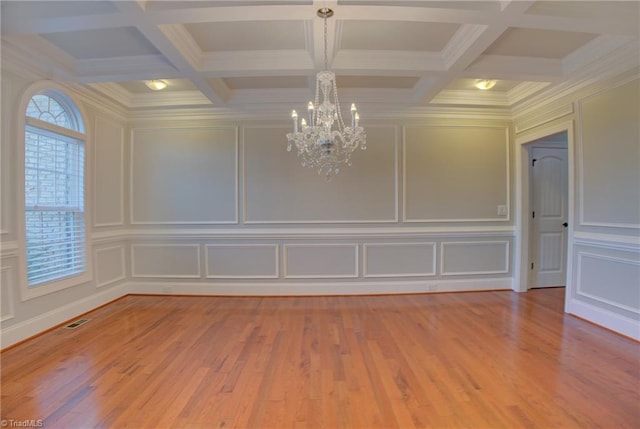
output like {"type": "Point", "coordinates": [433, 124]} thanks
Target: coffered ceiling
{"type": "Point", "coordinates": [260, 57]}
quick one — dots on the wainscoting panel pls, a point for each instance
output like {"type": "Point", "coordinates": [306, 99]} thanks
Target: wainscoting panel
{"type": "Point", "coordinates": [279, 190]}
{"type": "Point", "coordinates": [110, 265]}
{"type": "Point", "coordinates": [320, 261]}
{"type": "Point", "coordinates": [477, 257]}
{"type": "Point", "coordinates": [399, 259]}
{"type": "Point", "coordinates": [455, 174]}
{"type": "Point", "coordinates": [177, 261]}
{"type": "Point", "coordinates": [609, 280]}
{"type": "Point", "coordinates": [7, 283]}
{"type": "Point", "coordinates": [184, 176]}
{"type": "Point", "coordinates": [242, 261]}
{"type": "Point", "coordinates": [108, 154]}
{"type": "Point", "coordinates": [606, 278]}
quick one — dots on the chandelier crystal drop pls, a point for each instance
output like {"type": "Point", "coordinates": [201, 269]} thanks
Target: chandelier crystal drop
{"type": "Point", "coordinates": [324, 142]}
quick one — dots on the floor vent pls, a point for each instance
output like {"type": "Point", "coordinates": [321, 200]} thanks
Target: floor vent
{"type": "Point", "coordinates": [77, 323]}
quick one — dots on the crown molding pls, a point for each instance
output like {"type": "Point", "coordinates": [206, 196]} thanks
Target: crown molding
{"type": "Point", "coordinates": [472, 97]}
{"type": "Point", "coordinates": [619, 63]}
{"type": "Point", "coordinates": [525, 90]}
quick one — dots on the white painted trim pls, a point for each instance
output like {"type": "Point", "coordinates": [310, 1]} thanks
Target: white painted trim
{"type": "Point", "coordinates": [355, 274]}
{"type": "Point", "coordinates": [580, 292]}
{"type": "Point", "coordinates": [395, 219]}
{"type": "Point", "coordinates": [605, 318]}
{"type": "Point", "coordinates": [365, 261]}
{"type": "Point", "coordinates": [608, 241]}
{"type": "Point", "coordinates": [173, 127]}
{"type": "Point", "coordinates": [507, 257]}
{"type": "Point", "coordinates": [507, 200]}
{"type": "Point", "coordinates": [321, 233]}
{"type": "Point", "coordinates": [523, 203]}
{"type": "Point", "coordinates": [345, 288]}
{"type": "Point", "coordinates": [35, 325]}
{"type": "Point", "coordinates": [319, 222]}
{"type": "Point", "coordinates": [275, 247]}
{"type": "Point", "coordinates": [95, 169]}
{"type": "Point", "coordinates": [175, 276]}
{"type": "Point", "coordinates": [122, 275]}
{"type": "Point", "coordinates": [9, 294]}
{"type": "Point", "coordinates": [9, 249]}
{"type": "Point", "coordinates": [544, 117]}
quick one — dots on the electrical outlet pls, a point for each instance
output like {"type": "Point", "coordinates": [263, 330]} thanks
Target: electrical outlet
{"type": "Point", "coordinates": [166, 289]}
{"type": "Point", "coordinates": [432, 287]}
{"type": "Point", "coordinates": [502, 211]}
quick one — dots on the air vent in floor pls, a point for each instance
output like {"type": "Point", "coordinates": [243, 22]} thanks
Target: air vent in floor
{"type": "Point", "coordinates": [77, 323]}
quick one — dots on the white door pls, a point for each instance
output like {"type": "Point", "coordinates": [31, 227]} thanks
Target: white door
{"type": "Point", "coordinates": [549, 217]}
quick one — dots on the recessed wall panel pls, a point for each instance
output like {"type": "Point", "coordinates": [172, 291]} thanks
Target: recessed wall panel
{"type": "Point", "coordinates": [279, 190]}
{"type": "Point", "coordinates": [110, 265]}
{"type": "Point", "coordinates": [609, 280]}
{"type": "Point", "coordinates": [165, 260]}
{"type": "Point", "coordinates": [399, 259]}
{"type": "Point", "coordinates": [184, 175]}
{"type": "Point", "coordinates": [108, 152]}
{"type": "Point", "coordinates": [242, 261]}
{"type": "Point", "coordinates": [309, 261]}
{"type": "Point", "coordinates": [455, 174]}
{"type": "Point", "coordinates": [610, 157]}
{"type": "Point", "coordinates": [474, 257]}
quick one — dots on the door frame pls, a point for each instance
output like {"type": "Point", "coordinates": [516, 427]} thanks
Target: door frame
{"type": "Point", "coordinates": [523, 202]}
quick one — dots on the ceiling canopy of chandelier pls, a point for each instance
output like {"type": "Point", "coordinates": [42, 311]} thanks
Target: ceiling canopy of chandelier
{"type": "Point", "coordinates": [325, 142]}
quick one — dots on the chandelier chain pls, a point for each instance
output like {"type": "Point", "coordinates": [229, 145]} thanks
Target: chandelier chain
{"type": "Point", "coordinates": [326, 56]}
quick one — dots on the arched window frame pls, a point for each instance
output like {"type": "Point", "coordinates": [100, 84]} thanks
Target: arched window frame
{"type": "Point", "coordinates": [77, 132]}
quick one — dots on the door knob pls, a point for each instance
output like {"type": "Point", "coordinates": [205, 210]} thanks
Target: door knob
{"type": "Point", "coordinates": [565, 224]}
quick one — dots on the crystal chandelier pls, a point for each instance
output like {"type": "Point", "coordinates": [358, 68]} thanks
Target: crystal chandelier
{"type": "Point", "coordinates": [324, 142]}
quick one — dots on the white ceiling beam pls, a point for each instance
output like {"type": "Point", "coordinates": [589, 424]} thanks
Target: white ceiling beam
{"type": "Point", "coordinates": [218, 93]}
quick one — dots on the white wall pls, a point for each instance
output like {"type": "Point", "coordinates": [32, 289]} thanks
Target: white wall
{"type": "Point", "coordinates": [21, 315]}
{"type": "Point", "coordinates": [209, 207]}
{"type": "Point", "coordinates": [224, 208]}
{"type": "Point", "coordinates": [604, 244]}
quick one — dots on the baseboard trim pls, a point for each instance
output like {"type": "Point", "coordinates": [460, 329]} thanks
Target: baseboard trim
{"type": "Point", "coordinates": [605, 318]}
{"type": "Point", "coordinates": [29, 328]}
{"type": "Point", "coordinates": [320, 288]}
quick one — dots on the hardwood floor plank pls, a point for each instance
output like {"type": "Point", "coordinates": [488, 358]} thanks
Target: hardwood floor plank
{"type": "Point", "coordinates": [478, 360]}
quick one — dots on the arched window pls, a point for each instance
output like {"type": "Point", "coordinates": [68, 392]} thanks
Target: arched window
{"type": "Point", "coordinates": [54, 168]}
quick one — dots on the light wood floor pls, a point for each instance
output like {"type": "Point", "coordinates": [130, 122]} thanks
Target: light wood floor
{"type": "Point", "coordinates": [473, 360]}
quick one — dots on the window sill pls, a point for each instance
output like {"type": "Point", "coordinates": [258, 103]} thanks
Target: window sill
{"type": "Point", "coordinates": [31, 292]}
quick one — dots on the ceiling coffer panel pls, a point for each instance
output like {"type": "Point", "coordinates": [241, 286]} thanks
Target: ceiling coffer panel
{"type": "Point", "coordinates": [102, 43]}
{"type": "Point", "coordinates": [526, 42]}
{"type": "Point", "coordinates": [248, 35]}
{"type": "Point", "coordinates": [396, 35]}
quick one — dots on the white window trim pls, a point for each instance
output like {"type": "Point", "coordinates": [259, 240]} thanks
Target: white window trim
{"type": "Point", "coordinates": [26, 292]}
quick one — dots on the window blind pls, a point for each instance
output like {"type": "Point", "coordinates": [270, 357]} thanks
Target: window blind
{"type": "Point", "coordinates": [54, 205]}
